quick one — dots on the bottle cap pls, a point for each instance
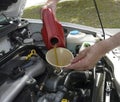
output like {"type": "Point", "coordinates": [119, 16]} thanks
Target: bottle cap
{"type": "Point", "coordinates": [74, 32]}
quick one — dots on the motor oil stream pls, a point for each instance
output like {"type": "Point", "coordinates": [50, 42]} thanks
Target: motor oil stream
{"type": "Point", "coordinates": [56, 58]}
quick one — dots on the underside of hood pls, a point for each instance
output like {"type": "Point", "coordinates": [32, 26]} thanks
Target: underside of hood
{"type": "Point", "coordinates": [4, 4]}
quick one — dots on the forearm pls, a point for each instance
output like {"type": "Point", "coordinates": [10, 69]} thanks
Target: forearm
{"type": "Point", "coordinates": [115, 40]}
{"type": "Point", "coordinates": [108, 44]}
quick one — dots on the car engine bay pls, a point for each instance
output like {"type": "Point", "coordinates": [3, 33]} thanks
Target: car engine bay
{"type": "Point", "coordinates": [26, 76]}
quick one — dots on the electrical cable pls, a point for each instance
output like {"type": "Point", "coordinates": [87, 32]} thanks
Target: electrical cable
{"type": "Point", "coordinates": [99, 18]}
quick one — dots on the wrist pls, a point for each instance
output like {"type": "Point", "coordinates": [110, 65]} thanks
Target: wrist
{"type": "Point", "coordinates": [102, 47]}
{"type": "Point", "coordinates": [52, 1]}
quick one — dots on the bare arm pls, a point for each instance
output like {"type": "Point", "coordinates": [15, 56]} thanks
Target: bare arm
{"type": "Point", "coordinates": [114, 41]}
{"type": "Point", "coordinates": [87, 58]}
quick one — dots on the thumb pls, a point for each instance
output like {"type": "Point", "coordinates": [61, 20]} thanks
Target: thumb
{"type": "Point", "coordinates": [77, 66]}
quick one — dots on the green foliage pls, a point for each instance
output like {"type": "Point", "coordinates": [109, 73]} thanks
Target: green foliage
{"type": "Point", "coordinates": [83, 12]}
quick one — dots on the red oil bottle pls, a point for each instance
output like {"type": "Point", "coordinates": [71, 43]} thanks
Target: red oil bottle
{"type": "Point", "coordinates": [52, 30]}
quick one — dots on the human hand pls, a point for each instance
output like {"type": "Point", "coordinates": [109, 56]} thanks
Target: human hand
{"type": "Point", "coordinates": [51, 4]}
{"type": "Point", "coordinates": [87, 58]}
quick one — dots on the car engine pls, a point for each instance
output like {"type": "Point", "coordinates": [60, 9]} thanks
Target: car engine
{"type": "Point", "coordinates": [26, 76]}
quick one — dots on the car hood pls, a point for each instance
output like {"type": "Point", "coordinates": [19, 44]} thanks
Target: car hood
{"type": "Point", "coordinates": [12, 8]}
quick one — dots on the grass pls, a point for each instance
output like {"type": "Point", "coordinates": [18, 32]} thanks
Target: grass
{"type": "Point", "coordinates": [83, 12]}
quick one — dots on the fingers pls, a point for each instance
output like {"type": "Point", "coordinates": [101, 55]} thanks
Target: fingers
{"type": "Point", "coordinates": [80, 56]}
{"type": "Point", "coordinates": [52, 5]}
{"type": "Point", "coordinates": [82, 61]}
{"type": "Point", "coordinates": [81, 65]}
